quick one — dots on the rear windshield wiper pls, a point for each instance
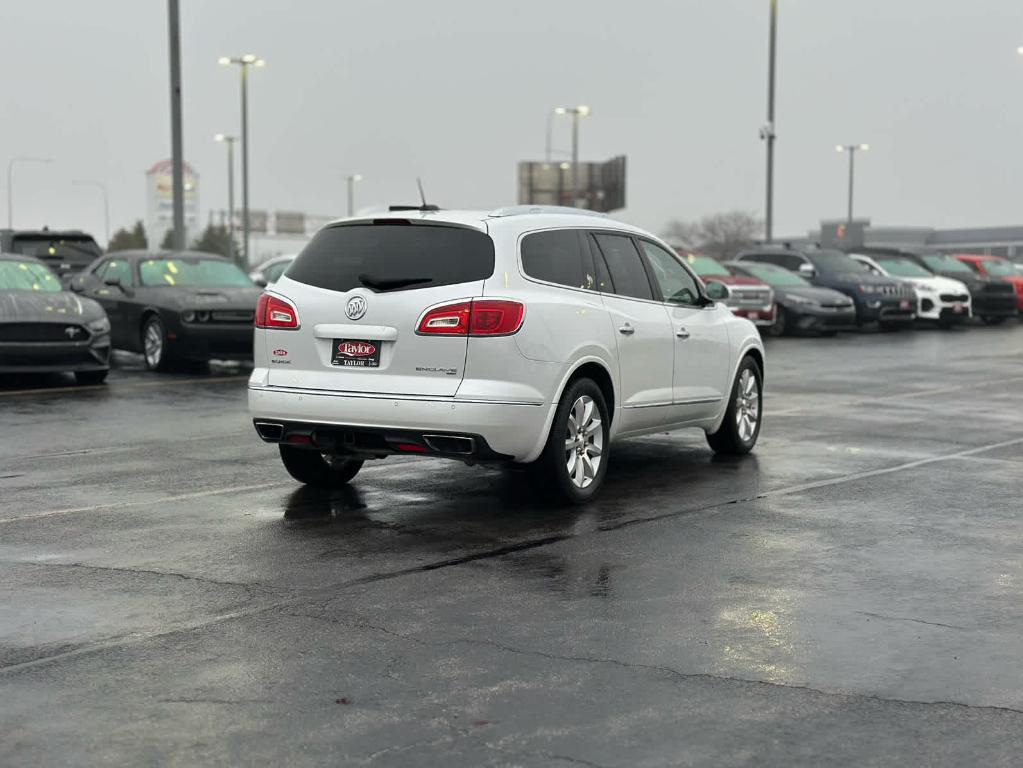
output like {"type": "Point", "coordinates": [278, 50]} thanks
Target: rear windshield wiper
{"type": "Point", "coordinates": [387, 284]}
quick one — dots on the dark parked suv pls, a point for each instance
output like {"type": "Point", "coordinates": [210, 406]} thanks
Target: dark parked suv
{"type": "Point", "coordinates": [881, 300]}
{"type": "Point", "coordinates": [66, 252]}
{"type": "Point", "coordinates": [993, 300]}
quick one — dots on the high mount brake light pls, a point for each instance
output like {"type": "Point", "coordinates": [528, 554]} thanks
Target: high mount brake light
{"type": "Point", "coordinates": [475, 317]}
{"type": "Point", "coordinates": [275, 312]}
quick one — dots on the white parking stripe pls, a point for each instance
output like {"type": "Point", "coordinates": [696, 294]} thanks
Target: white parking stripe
{"type": "Point", "coordinates": [116, 386]}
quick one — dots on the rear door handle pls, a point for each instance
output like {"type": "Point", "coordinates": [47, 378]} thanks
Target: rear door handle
{"type": "Point", "coordinates": [627, 329]}
{"type": "Point", "coordinates": [682, 333]}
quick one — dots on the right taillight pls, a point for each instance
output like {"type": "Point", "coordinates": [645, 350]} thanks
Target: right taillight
{"type": "Point", "coordinates": [275, 312]}
{"type": "Point", "coordinates": [475, 317]}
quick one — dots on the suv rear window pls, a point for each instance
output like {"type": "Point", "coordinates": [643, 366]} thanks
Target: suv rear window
{"type": "Point", "coordinates": [556, 257]}
{"type": "Point", "coordinates": [394, 256]}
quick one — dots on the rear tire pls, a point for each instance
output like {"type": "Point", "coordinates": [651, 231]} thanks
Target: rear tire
{"type": "Point", "coordinates": [90, 378]}
{"type": "Point", "coordinates": [780, 325]}
{"type": "Point", "coordinates": [741, 426]}
{"type": "Point", "coordinates": [574, 461]}
{"type": "Point", "coordinates": [313, 468]}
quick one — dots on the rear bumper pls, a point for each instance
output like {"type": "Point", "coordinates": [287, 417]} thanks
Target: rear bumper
{"type": "Point", "coordinates": [502, 430]}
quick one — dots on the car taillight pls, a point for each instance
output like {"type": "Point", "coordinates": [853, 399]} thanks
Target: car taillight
{"type": "Point", "coordinates": [275, 312]}
{"type": "Point", "coordinates": [476, 317]}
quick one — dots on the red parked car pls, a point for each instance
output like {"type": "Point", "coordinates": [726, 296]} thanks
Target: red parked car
{"type": "Point", "coordinates": [745, 296]}
{"type": "Point", "coordinates": [997, 268]}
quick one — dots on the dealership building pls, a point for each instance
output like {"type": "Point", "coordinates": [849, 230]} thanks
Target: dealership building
{"type": "Point", "coordinates": [995, 241]}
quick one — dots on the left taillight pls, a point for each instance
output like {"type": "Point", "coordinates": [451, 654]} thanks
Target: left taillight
{"type": "Point", "coordinates": [274, 312]}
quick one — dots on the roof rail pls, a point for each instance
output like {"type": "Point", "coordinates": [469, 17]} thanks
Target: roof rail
{"type": "Point", "coordinates": [522, 210]}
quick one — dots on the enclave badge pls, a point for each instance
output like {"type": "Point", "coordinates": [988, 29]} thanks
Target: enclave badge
{"type": "Point", "coordinates": [355, 308]}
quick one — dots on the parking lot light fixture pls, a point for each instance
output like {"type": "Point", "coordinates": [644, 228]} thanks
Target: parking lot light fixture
{"type": "Point", "coordinates": [243, 63]}
{"type": "Point", "coordinates": [229, 142]}
{"type": "Point", "coordinates": [852, 149]}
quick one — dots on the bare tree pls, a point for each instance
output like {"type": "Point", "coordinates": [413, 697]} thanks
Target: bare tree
{"type": "Point", "coordinates": [720, 235]}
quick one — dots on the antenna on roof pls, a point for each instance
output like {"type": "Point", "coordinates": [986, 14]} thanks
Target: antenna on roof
{"type": "Point", "coordinates": [422, 195]}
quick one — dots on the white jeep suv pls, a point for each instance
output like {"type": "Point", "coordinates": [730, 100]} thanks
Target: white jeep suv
{"type": "Point", "coordinates": [533, 335]}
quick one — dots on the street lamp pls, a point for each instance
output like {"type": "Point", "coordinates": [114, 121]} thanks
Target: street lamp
{"type": "Point", "coordinates": [576, 113]}
{"type": "Point", "coordinates": [106, 200]}
{"type": "Point", "coordinates": [851, 149]}
{"type": "Point", "coordinates": [10, 183]}
{"type": "Point", "coordinates": [351, 191]}
{"type": "Point", "coordinates": [229, 142]}
{"type": "Point", "coordinates": [767, 132]}
{"type": "Point", "coordinates": [557, 111]}
{"type": "Point", "coordinates": [243, 63]}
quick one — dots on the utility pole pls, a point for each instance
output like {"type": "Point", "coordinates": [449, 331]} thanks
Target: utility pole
{"type": "Point", "coordinates": [177, 160]}
{"type": "Point", "coordinates": [229, 142]}
{"type": "Point", "coordinates": [851, 149]}
{"type": "Point", "coordinates": [767, 132]}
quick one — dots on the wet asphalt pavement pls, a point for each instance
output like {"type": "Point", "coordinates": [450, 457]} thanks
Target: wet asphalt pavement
{"type": "Point", "coordinates": [852, 593]}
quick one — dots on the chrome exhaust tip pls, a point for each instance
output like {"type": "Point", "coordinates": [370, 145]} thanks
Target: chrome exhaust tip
{"type": "Point", "coordinates": [270, 431]}
{"type": "Point", "coordinates": [461, 446]}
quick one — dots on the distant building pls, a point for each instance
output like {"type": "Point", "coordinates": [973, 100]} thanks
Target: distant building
{"type": "Point", "coordinates": [994, 241]}
{"type": "Point", "coordinates": [160, 202]}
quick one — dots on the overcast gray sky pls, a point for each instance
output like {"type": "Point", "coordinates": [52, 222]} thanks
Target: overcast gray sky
{"type": "Point", "coordinates": [457, 91]}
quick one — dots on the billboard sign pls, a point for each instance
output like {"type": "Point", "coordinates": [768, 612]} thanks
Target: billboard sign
{"type": "Point", "coordinates": [601, 185]}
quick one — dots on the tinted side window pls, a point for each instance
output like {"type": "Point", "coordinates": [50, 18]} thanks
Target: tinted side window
{"type": "Point", "coordinates": [625, 266]}
{"type": "Point", "coordinates": [394, 255]}
{"type": "Point", "coordinates": [765, 258]}
{"type": "Point", "coordinates": [556, 257]}
{"type": "Point", "coordinates": [677, 285]}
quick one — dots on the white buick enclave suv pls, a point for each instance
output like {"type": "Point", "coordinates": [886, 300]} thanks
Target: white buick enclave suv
{"type": "Point", "coordinates": [531, 335]}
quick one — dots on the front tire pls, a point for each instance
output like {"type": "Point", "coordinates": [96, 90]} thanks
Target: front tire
{"type": "Point", "coordinates": [90, 378]}
{"type": "Point", "coordinates": [154, 344]}
{"type": "Point", "coordinates": [741, 426]}
{"type": "Point", "coordinates": [780, 325]}
{"type": "Point", "coordinates": [574, 461]}
{"type": "Point", "coordinates": [316, 469]}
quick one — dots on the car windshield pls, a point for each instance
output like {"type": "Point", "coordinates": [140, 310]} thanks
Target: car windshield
{"type": "Point", "coordinates": [1000, 268]}
{"type": "Point", "coordinates": [775, 276]}
{"type": "Point", "coordinates": [835, 262]}
{"type": "Point", "coordinates": [942, 262]}
{"type": "Point", "coordinates": [902, 267]}
{"type": "Point", "coordinates": [705, 266]}
{"type": "Point", "coordinates": [192, 272]}
{"type": "Point", "coordinates": [27, 276]}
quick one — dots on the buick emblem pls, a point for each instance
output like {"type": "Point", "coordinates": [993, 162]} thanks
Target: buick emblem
{"type": "Point", "coordinates": [71, 331]}
{"type": "Point", "coordinates": [355, 308]}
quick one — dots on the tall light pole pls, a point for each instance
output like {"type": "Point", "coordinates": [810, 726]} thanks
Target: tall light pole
{"type": "Point", "coordinates": [106, 200]}
{"type": "Point", "coordinates": [229, 141]}
{"type": "Point", "coordinates": [351, 191]}
{"type": "Point", "coordinates": [243, 63]}
{"type": "Point", "coordinates": [767, 132]}
{"type": "Point", "coordinates": [177, 151]}
{"type": "Point", "coordinates": [557, 111]}
{"type": "Point", "coordinates": [10, 183]}
{"type": "Point", "coordinates": [576, 113]}
{"type": "Point", "coordinates": [851, 149]}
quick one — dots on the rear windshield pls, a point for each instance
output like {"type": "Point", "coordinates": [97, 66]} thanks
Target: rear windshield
{"type": "Point", "coordinates": [43, 245]}
{"type": "Point", "coordinates": [393, 257]}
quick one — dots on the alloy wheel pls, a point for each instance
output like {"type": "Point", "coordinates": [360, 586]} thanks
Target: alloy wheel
{"type": "Point", "coordinates": [584, 443]}
{"type": "Point", "coordinates": [747, 405]}
{"type": "Point", "coordinates": [153, 344]}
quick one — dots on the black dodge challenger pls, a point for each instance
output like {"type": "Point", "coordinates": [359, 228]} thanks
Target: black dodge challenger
{"type": "Point", "coordinates": [174, 306]}
{"type": "Point", "coordinates": [45, 329]}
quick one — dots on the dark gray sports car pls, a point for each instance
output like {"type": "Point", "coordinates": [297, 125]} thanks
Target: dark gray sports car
{"type": "Point", "coordinates": [46, 329]}
{"type": "Point", "coordinates": [174, 306]}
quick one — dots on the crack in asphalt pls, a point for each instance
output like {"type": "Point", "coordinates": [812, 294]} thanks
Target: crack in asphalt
{"type": "Point", "coordinates": [362, 623]}
{"type": "Point", "coordinates": [910, 619]}
{"type": "Point", "coordinates": [505, 550]}
{"type": "Point", "coordinates": [248, 587]}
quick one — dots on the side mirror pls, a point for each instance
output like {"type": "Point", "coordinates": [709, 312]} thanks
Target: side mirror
{"type": "Point", "coordinates": [807, 270]}
{"type": "Point", "coordinates": [113, 281]}
{"type": "Point", "coordinates": [260, 281]}
{"type": "Point", "coordinates": [76, 284]}
{"type": "Point", "coordinates": [717, 291]}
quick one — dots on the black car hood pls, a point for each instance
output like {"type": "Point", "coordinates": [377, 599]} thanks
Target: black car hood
{"type": "Point", "coordinates": [213, 297]}
{"type": "Point", "coordinates": [39, 307]}
{"type": "Point", "coordinates": [968, 278]}
{"type": "Point", "coordinates": [812, 292]}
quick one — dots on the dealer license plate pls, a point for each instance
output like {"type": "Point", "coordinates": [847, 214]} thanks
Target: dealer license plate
{"type": "Point", "coordinates": [355, 353]}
